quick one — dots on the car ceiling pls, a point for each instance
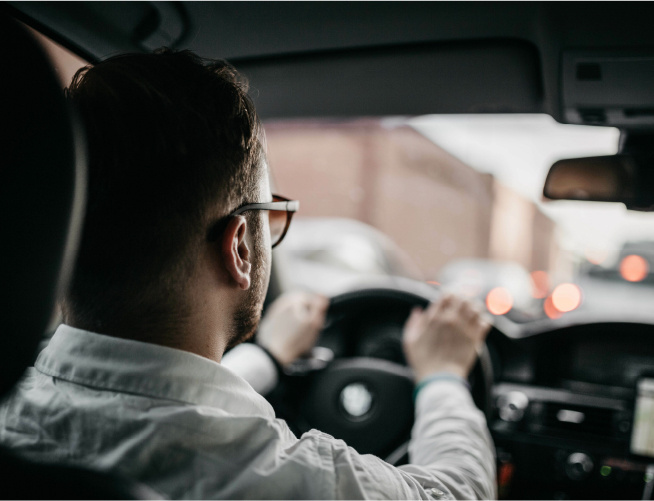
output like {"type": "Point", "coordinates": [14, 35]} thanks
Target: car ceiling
{"type": "Point", "coordinates": [343, 59]}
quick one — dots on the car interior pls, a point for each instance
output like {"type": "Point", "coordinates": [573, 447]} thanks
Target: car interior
{"type": "Point", "coordinates": [566, 379]}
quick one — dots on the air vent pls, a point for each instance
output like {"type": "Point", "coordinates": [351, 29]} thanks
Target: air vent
{"type": "Point", "coordinates": [578, 419]}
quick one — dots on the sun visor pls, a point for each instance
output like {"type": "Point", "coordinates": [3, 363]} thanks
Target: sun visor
{"type": "Point", "coordinates": [612, 88]}
{"type": "Point", "coordinates": [485, 76]}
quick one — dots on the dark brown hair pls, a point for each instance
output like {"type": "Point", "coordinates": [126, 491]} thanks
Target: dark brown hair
{"type": "Point", "coordinates": [174, 142]}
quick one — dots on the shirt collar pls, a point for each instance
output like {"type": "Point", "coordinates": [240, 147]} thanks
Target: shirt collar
{"type": "Point", "coordinates": [128, 366]}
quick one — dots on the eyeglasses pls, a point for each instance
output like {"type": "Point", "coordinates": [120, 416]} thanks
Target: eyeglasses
{"type": "Point", "coordinates": [280, 213]}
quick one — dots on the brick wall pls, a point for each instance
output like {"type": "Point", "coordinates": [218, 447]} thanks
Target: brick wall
{"type": "Point", "coordinates": [431, 204]}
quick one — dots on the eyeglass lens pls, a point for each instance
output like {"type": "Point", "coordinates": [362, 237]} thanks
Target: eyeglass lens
{"type": "Point", "coordinates": [278, 221]}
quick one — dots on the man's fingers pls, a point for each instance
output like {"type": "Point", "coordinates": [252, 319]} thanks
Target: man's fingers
{"type": "Point", "coordinates": [446, 301]}
{"type": "Point", "coordinates": [412, 325]}
{"type": "Point", "coordinates": [436, 309]}
{"type": "Point", "coordinates": [322, 303]}
{"type": "Point", "coordinates": [317, 309]}
{"type": "Point", "coordinates": [483, 325]}
{"type": "Point", "coordinates": [319, 318]}
{"type": "Point", "coordinates": [448, 307]}
{"type": "Point", "coordinates": [319, 305]}
{"type": "Point", "coordinates": [306, 303]}
{"type": "Point", "coordinates": [472, 313]}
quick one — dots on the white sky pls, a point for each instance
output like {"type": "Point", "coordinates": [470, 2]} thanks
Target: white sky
{"type": "Point", "coordinates": [519, 150]}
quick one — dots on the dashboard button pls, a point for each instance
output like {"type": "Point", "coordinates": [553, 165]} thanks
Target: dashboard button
{"type": "Point", "coordinates": [578, 466]}
{"type": "Point", "coordinates": [511, 406]}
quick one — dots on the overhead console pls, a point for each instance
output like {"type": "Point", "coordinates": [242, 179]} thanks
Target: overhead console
{"type": "Point", "coordinates": [611, 88]}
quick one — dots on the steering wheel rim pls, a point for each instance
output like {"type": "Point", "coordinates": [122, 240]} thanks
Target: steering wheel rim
{"type": "Point", "coordinates": [384, 427]}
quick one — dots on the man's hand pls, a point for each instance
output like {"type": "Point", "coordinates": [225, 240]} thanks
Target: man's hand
{"type": "Point", "coordinates": [292, 324]}
{"type": "Point", "coordinates": [444, 337]}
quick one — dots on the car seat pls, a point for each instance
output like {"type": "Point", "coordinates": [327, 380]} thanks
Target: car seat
{"type": "Point", "coordinates": [42, 182]}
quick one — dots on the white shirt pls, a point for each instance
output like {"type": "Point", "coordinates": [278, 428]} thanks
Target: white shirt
{"type": "Point", "coordinates": [190, 428]}
{"type": "Point", "coordinates": [254, 365]}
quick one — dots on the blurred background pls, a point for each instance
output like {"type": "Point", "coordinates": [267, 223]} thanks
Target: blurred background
{"type": "Point", "coordinates": [456, 201]}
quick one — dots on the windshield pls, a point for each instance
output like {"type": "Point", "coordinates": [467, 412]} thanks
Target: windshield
{"type": "Point", "coordinates": [456, 202]}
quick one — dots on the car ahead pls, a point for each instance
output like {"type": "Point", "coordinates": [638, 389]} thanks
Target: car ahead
{"type": "Point", "coordinates": [488, 280]}
{"type": "Point", "coordinates": [332, 255]}
{"type": "Point", "coordinates": [435, 123]}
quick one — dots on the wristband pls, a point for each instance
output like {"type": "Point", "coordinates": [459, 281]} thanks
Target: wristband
{"type": "Point", "coordinates": [439, 376]}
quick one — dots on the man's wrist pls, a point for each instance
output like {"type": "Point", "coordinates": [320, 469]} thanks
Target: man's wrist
{"type": "Point", "coordinates": [439, 376]}
{"type": "Point", "coordinates": [450, 367]}
{"type": "Point", "coordinates": [281, 356]}
{"type": "Point", "coordinates": [273, 358]}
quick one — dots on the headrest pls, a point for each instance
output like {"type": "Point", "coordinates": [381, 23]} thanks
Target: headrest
{"type": "Point", "coordinates": [42, 180]}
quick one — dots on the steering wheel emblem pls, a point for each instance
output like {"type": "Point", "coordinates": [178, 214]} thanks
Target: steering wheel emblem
{"type": "Point", "coordinates": [356, 400]}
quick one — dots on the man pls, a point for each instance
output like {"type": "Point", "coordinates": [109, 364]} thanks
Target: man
{"type": "Point", "coordinates": [172, 270]}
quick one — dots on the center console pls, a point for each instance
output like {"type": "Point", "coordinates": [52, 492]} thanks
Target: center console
{"type": "Point", "coordinates": [566, 443]}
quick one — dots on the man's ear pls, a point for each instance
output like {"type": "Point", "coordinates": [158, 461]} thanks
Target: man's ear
{"type": "Point", "coordinates": [236, 253]}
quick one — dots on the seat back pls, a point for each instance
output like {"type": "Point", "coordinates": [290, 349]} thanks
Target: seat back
{"type": "Point", "coordinates": [42, 182]}
{"type": "Point", "coordinates": [42, 185]}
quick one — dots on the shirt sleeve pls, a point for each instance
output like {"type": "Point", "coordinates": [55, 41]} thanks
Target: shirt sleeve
{"type": "Point", "coordinates": [254, 365]}
{"type": "Point", "coordinates": [451, 441]}
{"type": "Point", "coordinates": [451, 454]}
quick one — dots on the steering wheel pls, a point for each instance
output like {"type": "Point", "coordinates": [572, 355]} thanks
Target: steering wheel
{"type": "Point", "coordinates": [358, 387]}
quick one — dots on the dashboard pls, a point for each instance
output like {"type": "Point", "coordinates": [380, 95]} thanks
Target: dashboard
{"type": "Point", "coordinates": [564, 412]}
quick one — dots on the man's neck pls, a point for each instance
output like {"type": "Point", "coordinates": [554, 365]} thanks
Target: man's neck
{"type": "Point", "coordinates": [192, 335]}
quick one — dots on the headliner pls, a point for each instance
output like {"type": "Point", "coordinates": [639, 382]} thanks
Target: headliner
{"type": "Point", "coordinates": [343, 59]}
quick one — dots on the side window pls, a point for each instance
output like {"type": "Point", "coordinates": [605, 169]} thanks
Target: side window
{"type": "Point", "coordinates": [65, 62]}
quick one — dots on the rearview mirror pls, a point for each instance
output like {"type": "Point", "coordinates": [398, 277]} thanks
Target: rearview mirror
{"type": "Point", "coordinates": [614, 178]}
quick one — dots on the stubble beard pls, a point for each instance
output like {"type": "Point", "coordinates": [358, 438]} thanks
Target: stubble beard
{"type": "Point", "coordinates": [247, 316]}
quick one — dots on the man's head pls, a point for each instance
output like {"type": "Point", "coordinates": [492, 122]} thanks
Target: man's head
{"type": "Point", "coordinates": [174, 144]}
